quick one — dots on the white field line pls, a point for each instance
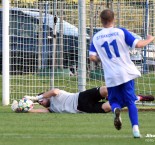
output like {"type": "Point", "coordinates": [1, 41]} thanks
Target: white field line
{"type": "Point", "coordinates": [15, 135]}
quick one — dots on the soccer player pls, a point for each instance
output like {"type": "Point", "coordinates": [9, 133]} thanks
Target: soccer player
{"type": "Point", "coordinates": [111, 46]}
{"type": "Point", "coordinates": [60, 101]}
{"type": "Point", "coordinates": [88, 101]}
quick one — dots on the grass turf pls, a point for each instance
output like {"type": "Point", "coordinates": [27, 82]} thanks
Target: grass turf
{"type": "Point", "coordinates": [71, 129]}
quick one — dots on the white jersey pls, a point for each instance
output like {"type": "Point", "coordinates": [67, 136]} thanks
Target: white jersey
{"type": "Point", "coordinates": [64, 102]}
{"type": "Point", "coordinates": [112, 46]}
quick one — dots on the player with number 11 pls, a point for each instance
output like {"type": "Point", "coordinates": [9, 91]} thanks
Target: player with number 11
{"type": "Point", "coordinates": [111, 47]}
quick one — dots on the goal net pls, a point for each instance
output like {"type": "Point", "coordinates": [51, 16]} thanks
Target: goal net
{"type": "Point", "coordinates": [45, 39]}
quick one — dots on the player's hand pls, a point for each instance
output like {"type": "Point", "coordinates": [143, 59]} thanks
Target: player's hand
{"type": "Point", "coordinates": [14, 105]}
{"type": "Point", "coordinates": [150, 37]}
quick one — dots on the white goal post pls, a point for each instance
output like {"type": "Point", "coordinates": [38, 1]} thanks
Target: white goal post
{"type": "Point", "coordinates": [5, 50]}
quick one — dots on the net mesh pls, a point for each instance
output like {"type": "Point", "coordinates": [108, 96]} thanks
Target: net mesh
{"type": "Point", "coordinates": [32, 41]}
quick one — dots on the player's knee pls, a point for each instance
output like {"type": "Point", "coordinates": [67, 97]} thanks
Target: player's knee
{"type": "Point", "coordinates": [103, 91]}
{"type": "Point", "coordinates": [106, 107]}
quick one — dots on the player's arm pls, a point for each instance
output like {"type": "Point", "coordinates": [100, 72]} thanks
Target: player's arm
{"type": "Point", "coordinates": [48, 94]}
{"type": "Point", "coordinates": [45, 110]}
{"type": "Point", "coordinates": [52, 92]}
{"type": "Point", "coordinates": [142, 43]}
{"type": "Point", "coordinates": [93, 56]}
{"type": "Point", "coordinates": [136, 43]}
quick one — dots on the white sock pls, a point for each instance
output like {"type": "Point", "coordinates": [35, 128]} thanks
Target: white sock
{"type": "Point", "coordinates": [114, 110]}
{"type": "Point", "coordinates": [138, 98]}
{"type": "Point", "coordinates": [135, 128]}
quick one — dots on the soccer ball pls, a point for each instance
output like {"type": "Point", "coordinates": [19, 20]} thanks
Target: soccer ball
{"type": "Point", "coordinates": [25, 105]}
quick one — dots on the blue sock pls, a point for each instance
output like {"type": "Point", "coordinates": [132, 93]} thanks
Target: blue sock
{"type": "Point", "coordinates": [115, 105]}
{"type": "Point", "coordinates": [133, 114]}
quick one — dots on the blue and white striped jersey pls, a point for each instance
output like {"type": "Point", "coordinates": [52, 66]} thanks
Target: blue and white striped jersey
{"type": "Point", "coordinates": [112, 46]}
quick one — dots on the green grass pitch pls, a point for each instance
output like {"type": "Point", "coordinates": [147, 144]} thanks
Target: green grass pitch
{"type": "Point", "coordinates": [74, 129]}
{"type": "Point", "coordinates": [71, 129]}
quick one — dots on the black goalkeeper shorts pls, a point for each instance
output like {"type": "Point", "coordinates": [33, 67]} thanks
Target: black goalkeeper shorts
{"type": "Point", "coordinates": [89, 101]}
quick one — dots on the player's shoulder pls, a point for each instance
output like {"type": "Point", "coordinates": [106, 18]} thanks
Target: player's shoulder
{"type": "Point", "coordinates": [124, 30]}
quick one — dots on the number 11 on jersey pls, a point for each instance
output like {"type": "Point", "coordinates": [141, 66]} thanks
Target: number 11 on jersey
{"type": "Point", "coordinates": [115, 47]}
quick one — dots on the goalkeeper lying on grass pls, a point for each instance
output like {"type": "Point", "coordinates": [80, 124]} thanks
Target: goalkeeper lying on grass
{"type": "Point", "coordinates": [60, 101]}
{"type": "Point", "coordinates": [88, 101]}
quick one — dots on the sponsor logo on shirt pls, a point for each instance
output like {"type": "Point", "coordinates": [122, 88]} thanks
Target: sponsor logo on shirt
{"type": "Point", "coordinates": [107, 35]}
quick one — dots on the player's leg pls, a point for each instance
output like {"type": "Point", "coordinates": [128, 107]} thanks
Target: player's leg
{"type": "Point", "coordinates": [133, 115]}
{"type": "Point", "coordinates": [140, 97]}
{"type": "Point", "coordinates": [114, 100]}
{"type": "Point", "coordinates": [145, 97]}
{"type": "Point", "coordinates": [88, 99]}
{"type": "Point", "coordinates": [106, 107]}
{"type": "Point", "coordinates": [130, 97]}
{"type": "Point", "coordinates": [99, 107]}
